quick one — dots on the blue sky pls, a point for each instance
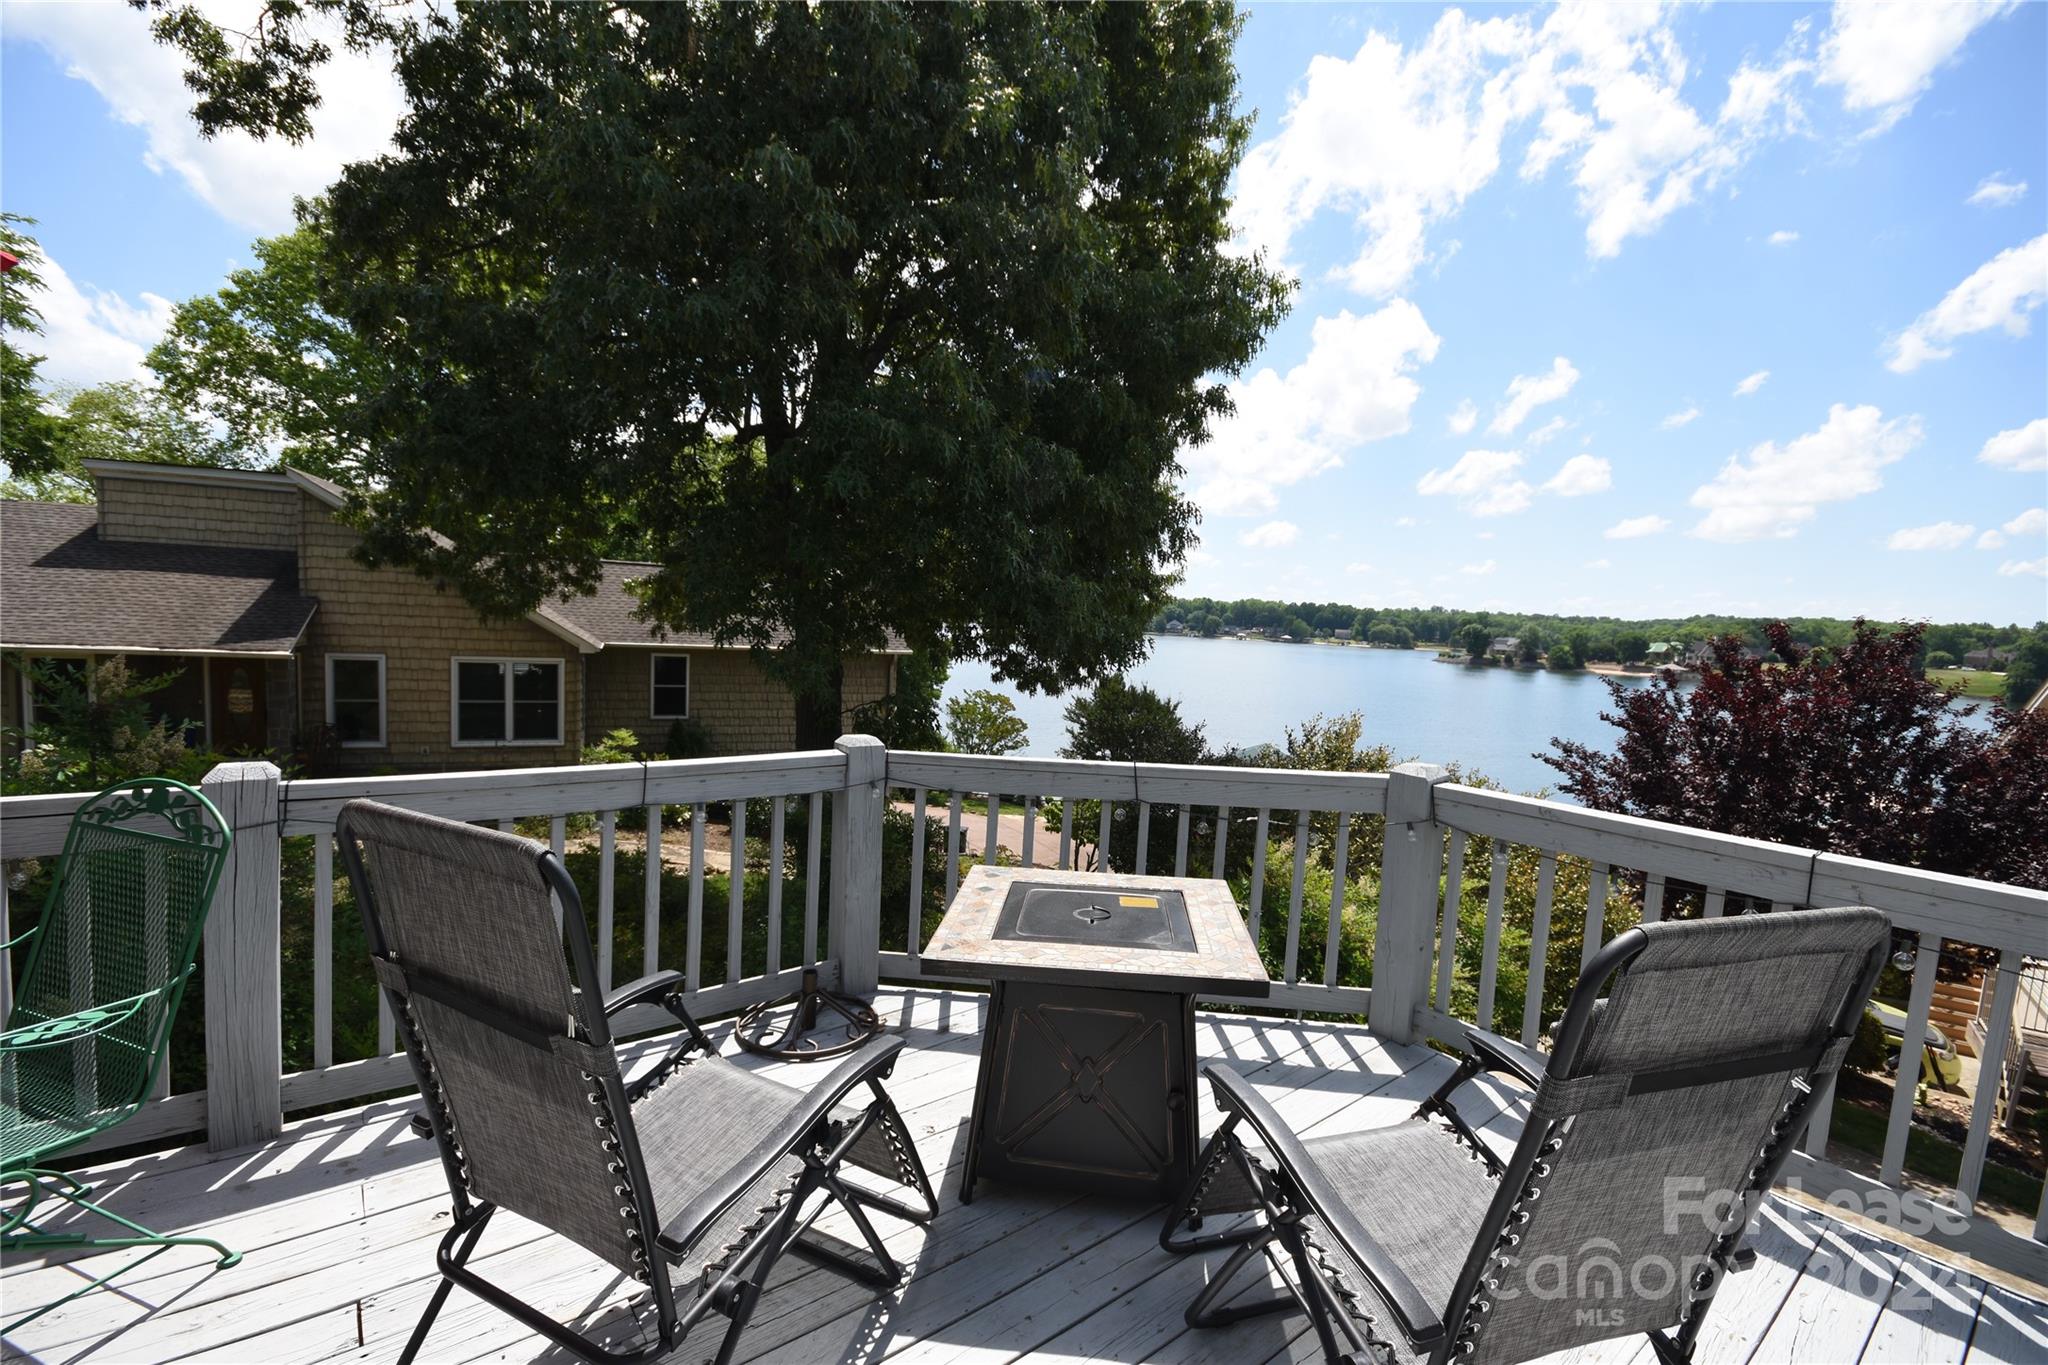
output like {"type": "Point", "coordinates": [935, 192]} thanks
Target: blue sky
{"type": "Point", "coordinates": [1645, 310]}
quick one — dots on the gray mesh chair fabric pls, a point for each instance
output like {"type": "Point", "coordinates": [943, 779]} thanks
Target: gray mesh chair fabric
{"type": "Point", "coordinates": [693, 1177]}
{"type": "Point", "coordinates": [107, 963]}
{"type": "Point", "coordinates": [1663, 1115]}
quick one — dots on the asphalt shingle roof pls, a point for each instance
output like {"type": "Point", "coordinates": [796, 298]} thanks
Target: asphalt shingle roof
{"type": "Point", "coordinates": [607, 615]}
{"type": "Point", "coordinates": [62, 586]}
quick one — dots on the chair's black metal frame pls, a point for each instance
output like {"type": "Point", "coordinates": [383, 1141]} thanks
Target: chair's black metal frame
{"type": "Point", "coordinates": [1297, 1190]}
{"type": "Point", "coordinates": [809, 1133]}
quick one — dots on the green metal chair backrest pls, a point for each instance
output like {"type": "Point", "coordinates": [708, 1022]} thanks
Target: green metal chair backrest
{"type": "Point", "coordinates": [116, 943]}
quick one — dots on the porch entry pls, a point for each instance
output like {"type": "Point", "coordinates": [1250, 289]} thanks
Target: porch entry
{"type": "Point", "coordinates": [241, 722]}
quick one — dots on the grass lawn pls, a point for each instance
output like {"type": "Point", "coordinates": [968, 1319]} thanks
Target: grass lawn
{"type": "Point", "coordinates": [1933, 1157]}
{"type": "Point", "coordinates": [1975, 683]}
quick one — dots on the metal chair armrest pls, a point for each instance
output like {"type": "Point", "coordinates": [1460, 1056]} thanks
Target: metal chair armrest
{"type": "Point", "coordinates": [1496, 1053]}
{"type": "Point", "coordinates": [24, 1039]}
{"type": "Point", "coordinates": [652, 986]}
{"type": "Point", "coordinates": [1418, 1320]}
{"type": "Point", "coordinates": [665, 987]}
{"type": "Point", "coordinates": [21, 938]}
{"type": "Point", "coordinates": [871, 1063]}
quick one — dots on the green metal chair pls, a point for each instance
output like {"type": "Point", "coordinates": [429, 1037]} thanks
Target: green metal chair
{"type": "Point", "coordinates": [107, 965]}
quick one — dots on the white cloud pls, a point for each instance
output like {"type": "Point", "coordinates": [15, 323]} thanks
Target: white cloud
{"type": "Point", "coordinates": [1406, 521]}
{"type": "Point", "coordinates": [250, 183]}
{"type": "Point", "coordinates": [2014, 568]}
{"type": "Point", "coordinates": [1942, 535]}
{"type": "Point", "coordinates": [1635, 528]}
{"type": "Point", "coordinates": [1995, 191]}
{"type": "Point", "coordinates": [1463, 418]}
{"type": "Point", "coordinates": [1750, 383]}
{"type": "Point", "coordinates": [91, 336]}
{"type": "Point", "coordinates": [1398, 138]}
{"type": "Point", "coordinates": [1358, 566]}
{"type": "Point", "coordinates": [1355, 386]}
{"type": "Point", "coordinates": [1527, 392]}
{"type": "Point", "coordinates": [1487, 566]}
{"type": "Point", "coordinates": [1885, 55]}
{"type": "Point", "coordinates": [1782, 237]}
{"type": "Point", "coordinates": [1271, 535]}
{"type": "Point", "coordinates": [1482, 480]}
{"type": "Point", "coordinates": [1503, 500]}
{"type": "Point", "coordinates": [1580, 475]}
{"type": "Point", "coordinates": [2032, 522]}
{"type": "Point", "coordinates": [1679, 419]}
{"type": "Point", "coordinates": [1599, 563]}
{"type": "Point", "coordinates": [1775, 489]}
{"type": "Point", "coordinates": [2023, 450]}
{"type": "Point", "coordinates": [1548, 431]}
{"type": "Point", "coordinates": [1999, 293]}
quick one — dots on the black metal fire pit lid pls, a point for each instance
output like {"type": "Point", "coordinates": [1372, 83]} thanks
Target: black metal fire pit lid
{"type": "Point", "coordinates": [1122, 917]}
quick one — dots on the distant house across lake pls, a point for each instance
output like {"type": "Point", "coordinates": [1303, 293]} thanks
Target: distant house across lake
{"type": "Point", "coordinates": [1993, 659]}
{"type": "Point", "coordinates": [245, 585]}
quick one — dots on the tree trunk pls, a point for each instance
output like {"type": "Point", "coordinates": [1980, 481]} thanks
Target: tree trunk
{"type": "Point", "coordinates": [819, 714]}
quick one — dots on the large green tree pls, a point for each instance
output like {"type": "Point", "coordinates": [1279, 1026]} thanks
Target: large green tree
{"type": "Point", "coordinates": [119, 420]}
{"type": "Point", "coordinates": [863, 317]}
{"type": "Point", "coordinates": [267, 365]}
{"type": "Point", "coordinates": [28, 431]}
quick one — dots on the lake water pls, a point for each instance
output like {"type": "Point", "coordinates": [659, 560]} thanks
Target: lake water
{"type": "Point", "coordinates": [1246, 692]}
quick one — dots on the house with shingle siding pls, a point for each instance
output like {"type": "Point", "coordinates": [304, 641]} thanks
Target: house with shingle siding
{"type": "Point", "coordinates": [244, 584]}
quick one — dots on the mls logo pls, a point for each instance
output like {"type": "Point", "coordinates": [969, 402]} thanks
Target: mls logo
{"type": "Point", "coordinates": [1600, 1317]}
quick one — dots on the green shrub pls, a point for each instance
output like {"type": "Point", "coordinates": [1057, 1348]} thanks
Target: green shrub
{"type": "Point", "coordinates": [687, 738]}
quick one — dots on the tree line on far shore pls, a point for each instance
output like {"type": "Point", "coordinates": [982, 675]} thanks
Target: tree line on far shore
{"type": "Point", "coordinates": [1571, 642]}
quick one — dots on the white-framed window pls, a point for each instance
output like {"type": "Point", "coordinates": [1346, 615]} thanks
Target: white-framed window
{"type": "Point", "coordinates": [506, 701]}
{"type": "Point", "coordinates": [668, 686]}
{"type": "Point", "coordinates": [355, 700]}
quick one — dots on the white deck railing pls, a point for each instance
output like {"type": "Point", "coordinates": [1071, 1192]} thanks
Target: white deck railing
{"type": "Point", "coordinates": [1432, 973]}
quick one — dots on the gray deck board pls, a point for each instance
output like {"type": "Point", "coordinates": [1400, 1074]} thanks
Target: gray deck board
{"type": "Point", "coordinates": [338, 1220]}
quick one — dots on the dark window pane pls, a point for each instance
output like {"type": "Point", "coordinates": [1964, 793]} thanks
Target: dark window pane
{"type": "Point", "coordinates": [480, 720]}
{"type": "Point", "coordinates": [671, 685]}
{"type": "Point", "coordinates": [534, 720]}
{"type": "Point", "coordinates": [356, 721]}
{"type": "Point", "coordinates": [480, 683]}
{"type": "Point", "coordinates": [355, 680]}
{"type": "Point", "coordinates": [534, 682]}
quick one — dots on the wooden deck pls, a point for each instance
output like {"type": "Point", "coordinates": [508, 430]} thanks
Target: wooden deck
{"type": "Point", "coordinates": [339, 1218]}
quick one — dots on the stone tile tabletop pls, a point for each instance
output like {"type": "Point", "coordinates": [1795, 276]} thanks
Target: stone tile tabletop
{"type": "Point", "coordinates": [1225, 960]}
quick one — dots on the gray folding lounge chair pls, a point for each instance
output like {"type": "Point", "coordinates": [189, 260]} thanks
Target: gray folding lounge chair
{"type": "Point", "coordinates": [692, 1178]}
{"type": "Point", "coordinates": [1665, 1112]}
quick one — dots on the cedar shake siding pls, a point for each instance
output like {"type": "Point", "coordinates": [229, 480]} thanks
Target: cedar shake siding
{"type": "Point", "coordinates": [420, 629]}
{"type": "Point", "coordinates": [742, 709]}
{"type": "Point", "coordinates": [163, 512]}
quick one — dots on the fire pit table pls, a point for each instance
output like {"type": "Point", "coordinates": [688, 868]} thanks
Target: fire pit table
{"type": "Point", "coordinates": [1087, 1059]}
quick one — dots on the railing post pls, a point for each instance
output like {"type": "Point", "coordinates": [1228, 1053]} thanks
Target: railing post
{"type": "Point", "coordinates": [244, 1008]}
{"type": "Point", "coordinates": [857, 865]}
{"type": "Point", "coordinates": [1410, 868]}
